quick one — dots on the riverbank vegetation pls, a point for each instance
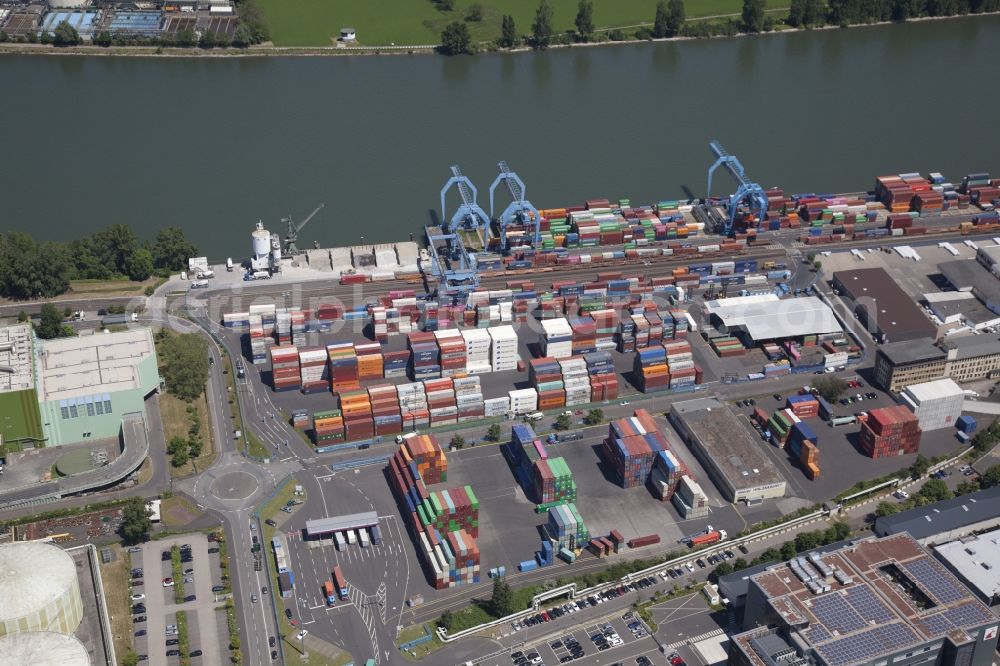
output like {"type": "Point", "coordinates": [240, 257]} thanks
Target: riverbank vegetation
{"type": "Point", "coordinates": [31, 269]}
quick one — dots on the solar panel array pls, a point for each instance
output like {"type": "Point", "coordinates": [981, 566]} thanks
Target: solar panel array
{"type": "Point", "coordinates": [867, 605]}
{"type": "Point", "coordinates": [968, 615]}
{"type": "Point", "coordinates": [934, 580]}
{"type": "Point", "coordinates": [885, 639]}
{"type": "Point", "coordinates": [817, 634]}
{"type": "Point", "coordinates": [836, 614]}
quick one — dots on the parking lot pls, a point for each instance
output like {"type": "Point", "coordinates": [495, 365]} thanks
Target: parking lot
{"type": "Point", "coordinates": [607, 637]}
{"type": "Point", "coordinates": [154, 609]}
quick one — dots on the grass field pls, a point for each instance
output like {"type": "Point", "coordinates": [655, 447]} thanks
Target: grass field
{"type": "Point", "coordinates": [115, 576]}
{"type": "Point", "coordinates": [417, 22]}
{"type": "Point", "coordinates": [20, 416]}
{"type": "Point", "coordinates": [176, 423]}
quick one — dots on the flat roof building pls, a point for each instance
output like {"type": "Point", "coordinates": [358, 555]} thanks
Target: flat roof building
{"type": "Point", "coordinates": [976, 562]}
{"type": "Point", "coordinates": [736, 462]}
{"type": "Point", "coordinates": [973, 276]}
{"type": "Point", "coordinates": [946, 520]}
{"type": "Point", "coordinates": [87, 384]}
{"type": "Point", "coordinates": [882, 306]}
{"type": "Point", "coordinates": [963, 358]}
{"type": "Point", "coordinates": [875, 601]}
{"type": "Point", "coordinates": [766, 317]}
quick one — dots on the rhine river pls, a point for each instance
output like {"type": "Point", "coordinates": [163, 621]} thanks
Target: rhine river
{"type": "Point", "coordinates": [214, 144]}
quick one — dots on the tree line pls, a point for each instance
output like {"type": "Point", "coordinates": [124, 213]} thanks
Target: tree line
{"type": "Point", "coordinates": [32, 269]}
{"type": "Point", "coordinates": [670, 21]}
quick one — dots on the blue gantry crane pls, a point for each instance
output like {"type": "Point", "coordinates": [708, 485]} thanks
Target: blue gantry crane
{"type": "Point", "coordinates": [747, 192]}
{"type": "Point", "coordinates": [520, 211]}
{"type": "Point", "coordinates": [468, 215]}
{"type": "Point", "coordinates": [451, 264]}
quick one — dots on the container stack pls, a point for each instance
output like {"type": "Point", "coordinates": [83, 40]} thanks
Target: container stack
{"type": "Point", "coordinates": [328, 427]}
{"type": "Point", "coordinates": [469, 399]}
{"type": "Point", "coordinates": [357, 411]}
{"type": "Point", "coordinates": [603, 379]}
{"type": "Point", "coordinates": [626, 335]}
{"type": "Point", "coordinates": [576, 380]}
{"type": "Point", "coordinates": [451, 510]}
{"type": "Point", "coordinates": [395, 363]}
{"type": "Point", "coordinates": [425, 356]}
{"type": "Point", "coordinates": [802, 444]}
{"type": "Point", "coordinates": [727, 345]}
{"type": "Point", "coordinates": [285, 368]}
{"type": "Point", "coordinates": [451, 347]}
{"type": "Point", "coordinates": [605, 323]}
{"type": "Point", "coordinates": [890, 431]}
{"type": "Point", "coordinates": [523, 401]}
{"type": "Point", "coordinates": [640, 331]}
{"type": "Point", "coordinates": [557, 338]}
{"type": "Point", "coordinates": [651, 371]}
{"type": "Point", "coordinates": [566, 527]}
{"type": "Point", "coordinates": [283, 328]}
{"type": "Point", "coordinates": [690, 500]}
{"type": "Point", "coordinates": [630, 447]}
{"type": "Point", "coordinates": [584, 335]}
{"type": "Point", "coordinates": [667, 473]}
{"type": "Point", "coordinates": [343, 367]}
{"type": "Point", "coordinates": [441, 401]}
{"type": "Point", "coordinates": [477, 351]}
{"type": "Point", "coordinates": [803, 406]}
{"type": "Point", "coordinates": [466, 556]}
{"type": "Point", "coordinates": [385, 410]}
{"type": "Point", "coordinates": [553, 482]}
{"type": "Point", "coordinates": [370, 362]}
{"type": "Point", "coordinates": [380, 324]}
{"type": "Point", "coordinates": [545, 375]}
{"type": "Point", "coordinates": [258, 341]}
{"type": "Point", "coordinates": [427, 458]}
{"type": "Point", "coordinates": [413, 406]}
{"type": "Point", "coordinates": [781, 424]}
{"type": "Point", "coordinates": [503, 348]}
{"type": "Point", "coordinates": [313, 369]}
{"type": "Point", "coordinates": [300, 419]}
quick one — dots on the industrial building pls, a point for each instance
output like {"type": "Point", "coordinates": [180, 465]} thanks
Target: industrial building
{"type": "Point", "coordinates": [976, 562]}
{"type": "Point", "coordinates": [39, 588]}
{"type": "Point", "coordinates": [884, 309]}
{"type": "Point", "coordinates": [875, 601]}
{"type": "Point", "coordinates": [738, 466]}
{"type": "Point", "coordinates": [87, 384]}
{"type": "Point", "coordinates": [946, 520]}
{"type": "Point", "coordinates": [978, 277]}
{"type": "Point", "coordinates": [960, 308]}
{"type": "Point", "coordinates": [963, 358]}
{"type": "Point", "coordinates": [765, 317]}
{"type": "Point", "coordinates": [937, 404]}
{"type": "Point", "coordinates": [18, 398]}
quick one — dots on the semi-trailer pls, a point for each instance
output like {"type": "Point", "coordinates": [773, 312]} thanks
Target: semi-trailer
{"type": "Point", "coordinates": [338, 538]}
{"type": "Point", "coordinates": [363, 537]}
{"type": "Point", "coordinates": [715, 536]}
{"type": "Point", "coordinates": [328, 591]}
{"type": "Point", "coordinates": [648, 540]}
{"type": "Point", "coordinates": [376, 535]}
{"type": "Point", "coordinates": [340, 582]}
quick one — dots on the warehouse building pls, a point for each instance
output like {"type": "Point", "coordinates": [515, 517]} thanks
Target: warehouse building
{"type": "Point", "coordinates": [960, 308]}
{"type": "Point", "coordinates": [875, 601]}
{"type": "Point", "coordinates": [963, 358]}
{"type": "Point", "coordinates": [87, 384]}
{"type": "Point", "coordinates": [765, 317]}
{"type": "Point", "coordinates": [18, 399]}
{"type": "Point", "coordinates": [884, 309]}
{"type": "Point", "coordinates": [976, 562]}
{"type": "Point", "coordinates": [936, 404]}
{"type": "Point", "coordinates": [977, 277]}
{"type": "Point", "coordinates": [735, 461]}
{"type": "Point", "coordinates": [946, 520]}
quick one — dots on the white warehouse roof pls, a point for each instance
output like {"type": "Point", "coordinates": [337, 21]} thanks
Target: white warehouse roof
{"type": "Point", "coordinates": [766, 316]}
{"type": "Point", "coordinates": [939, 388]}
{"type": "Point", "coordinates": [104, 362]}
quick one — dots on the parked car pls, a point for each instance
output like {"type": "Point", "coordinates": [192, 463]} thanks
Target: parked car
{"type": "Point", "coordinates": [270, 521]}
{"type": "Point", "coordinates": [137, 597]}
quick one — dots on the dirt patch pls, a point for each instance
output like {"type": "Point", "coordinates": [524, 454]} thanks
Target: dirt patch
{"type": "Point", "coordinates": [177, 512]}
{"type": "Point", "coordinates": [176, 422]}
{"type": "Point", "coordinates": [98, 527]}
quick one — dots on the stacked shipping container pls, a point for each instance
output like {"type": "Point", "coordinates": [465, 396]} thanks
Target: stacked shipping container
{"type": "Point", "coordinates": [890, 431]}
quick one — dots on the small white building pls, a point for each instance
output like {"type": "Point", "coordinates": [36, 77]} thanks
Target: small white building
{"type": "Point", "coordinates": [937, 404]}
{"type": "Point", "coordinates": [348, 35]}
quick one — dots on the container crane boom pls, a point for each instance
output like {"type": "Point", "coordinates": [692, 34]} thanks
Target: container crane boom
{"type": "Point", "coordinates": [292, 235]}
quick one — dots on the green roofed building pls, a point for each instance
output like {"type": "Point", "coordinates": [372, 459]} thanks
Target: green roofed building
{"type": "Point", "coordinates": [87, 384]}
{"type": "Point", "coordinates": [20, 421]}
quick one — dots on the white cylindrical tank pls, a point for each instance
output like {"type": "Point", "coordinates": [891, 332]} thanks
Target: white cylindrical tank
{"type": "Point", "coordinates": [42, 648]}
{"type": "Point", "coordinates": [39, 589]}
{"type": "Point", "coordinates": [276, 248]}
{"type": "Point", "coordinates": [261, 238]}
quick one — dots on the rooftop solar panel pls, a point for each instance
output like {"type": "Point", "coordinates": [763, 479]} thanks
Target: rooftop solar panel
{"type": "Point", "coordinates": [867, 605]}
{"type": "Point", "coordinates": [860, 647]}
{"type": "Point", "coordinates": [933, 579]}
{"type": "Point", "coordinates": [968, 615]}
{"type": "Point", "coordinates": [817, 634]}
{"type": "Point", "coordinates": [836, 614]}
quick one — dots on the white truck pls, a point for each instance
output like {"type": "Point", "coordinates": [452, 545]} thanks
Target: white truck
{"type": "Point", "coordinates": [536, 416]}
{"type": "Point", "coordinates": [204, 275]}
{"type": "Point", "coordinates": [402, 438]}
{"type": "Point", "coordinates": [199, 284]}
{"type": "Point", "coordinates": [352, 538]}
{"type": "Point", "coordinates": [363, 535]}
{"type": "Point", "coordinates": [229, 265]}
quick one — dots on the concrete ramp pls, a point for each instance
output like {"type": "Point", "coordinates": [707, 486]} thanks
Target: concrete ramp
{"type": "Point", "coordinates": [340, 259]}
{"type": "Point", "coordinates": [407, 253]}
{"type": "Point", "coordinates": [385, 256]}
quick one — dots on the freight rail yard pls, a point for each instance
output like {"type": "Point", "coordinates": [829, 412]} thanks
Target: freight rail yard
{"type": "Point", "coordinates": [715, 340]}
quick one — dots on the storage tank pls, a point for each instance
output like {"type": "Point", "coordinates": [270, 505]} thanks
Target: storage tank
{"type": "Point", "coordinates": [42, 648]}
{"type": "Point", "coordinates": [39, 589]}
{"type": "Point", "coordinates": [261, 239]}
{"type": "Point", "coordinates": [276, 249]}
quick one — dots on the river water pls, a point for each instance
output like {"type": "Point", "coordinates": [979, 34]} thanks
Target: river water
{"type": "Point", "coordinates": [215, 144]}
